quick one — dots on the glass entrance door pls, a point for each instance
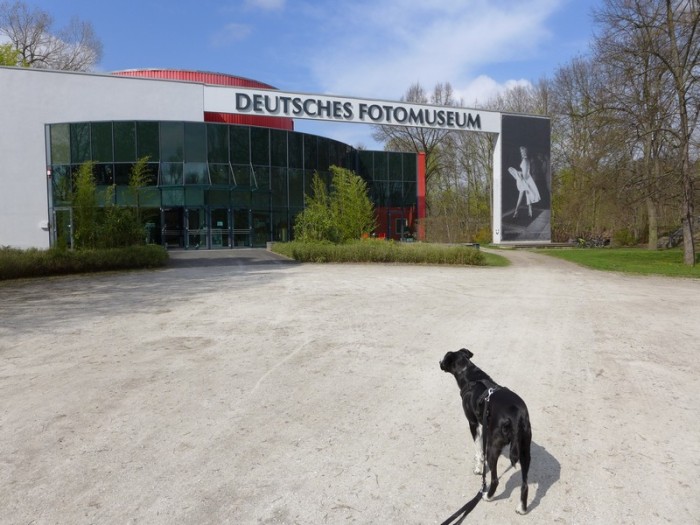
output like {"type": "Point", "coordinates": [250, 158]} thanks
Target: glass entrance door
{"type": "Point", "coordinates": [241, 227]}
{"type": "Point", "coordinates": [220, 230]}
{"type": "Point", "coordinates": [173, 227]}
{"type": "Point", "coordinates": [196, 229]}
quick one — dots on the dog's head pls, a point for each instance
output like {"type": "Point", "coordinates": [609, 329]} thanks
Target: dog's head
{"type": "Point", "coordinates": [456, 362]}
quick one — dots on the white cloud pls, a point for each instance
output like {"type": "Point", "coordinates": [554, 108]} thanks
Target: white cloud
{"type": "Point", "coordinates": [483, 88]}
{"type": "Point", "coordinates": [378, 49]}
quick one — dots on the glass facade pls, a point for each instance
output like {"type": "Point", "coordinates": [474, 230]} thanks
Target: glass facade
{"type": "Point", "coordinates": [216, 185]}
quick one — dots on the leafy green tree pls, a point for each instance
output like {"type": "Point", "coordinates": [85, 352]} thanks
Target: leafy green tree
{"type": "Point", "coordinates": [9, 56]}
{"type": "Point", "coordinates": [341, 214]}
{"type": "Point", "coordinates": [351, 207]}
{"type": "Point", "coordinates": [85, 207]}
{"type": "Point", "coordinates": [76, 47]}
{"type": "Point", "coordinates": [138, 179]}
{"type": "Point", "coordinates": [315, 223]}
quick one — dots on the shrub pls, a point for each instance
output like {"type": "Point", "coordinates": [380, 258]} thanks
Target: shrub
{"type": "Point", "coordinates": [624, 237]}
{"type": "Point", "coordinates": [379, 251]}
{"type": "Point", "coordinates": [15, 263]}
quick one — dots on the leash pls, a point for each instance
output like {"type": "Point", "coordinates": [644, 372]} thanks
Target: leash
{"type": "Point", "coordinates": [471, 504]}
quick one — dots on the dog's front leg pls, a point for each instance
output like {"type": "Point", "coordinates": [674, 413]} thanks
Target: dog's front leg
{"type": "Point", "coordinates": [478, 450]}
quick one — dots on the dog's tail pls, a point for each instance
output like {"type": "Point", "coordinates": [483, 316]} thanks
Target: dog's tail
{"type": "Point", "coordinates": [519, 437]}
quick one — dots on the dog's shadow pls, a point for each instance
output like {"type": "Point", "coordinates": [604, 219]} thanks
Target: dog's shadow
{"type": "Point", "coordinates": [544, 471]}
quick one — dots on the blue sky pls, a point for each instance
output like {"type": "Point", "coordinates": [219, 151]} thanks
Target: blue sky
{"type": "Point", "coordinates": [361, 48]}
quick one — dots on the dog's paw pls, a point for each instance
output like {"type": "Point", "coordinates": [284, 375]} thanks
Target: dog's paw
{"type": "Point", "coordinates": [520, 509]}
{"type": "Point", "coordinates": [478, 470]}
{"type": "Point", "coordinates": [485, 496]}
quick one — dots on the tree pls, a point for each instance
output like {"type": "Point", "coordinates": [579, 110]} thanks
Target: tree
{"type": "Point", "coordinates": [138, 179]}
{"type": "Point", "coordinates": [9, 56]}
{"type": "Point", "coordinates": [662, 39]}
{"type": "Point", "coordinates": [315, 223]}
{"type": "Point", "coordinates": [350, 205]}
{"type": "Point", "coordinates": [75, 47]}
{"type": "Point", "coordinates": [341, 214]}
{"type": "Point", "coordinates": [417, 139]}
{"type": "Point", "coordinates": [85, 207]}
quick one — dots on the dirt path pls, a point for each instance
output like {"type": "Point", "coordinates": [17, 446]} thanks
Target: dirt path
{"type": "Point", "coordinates": [273, 393]}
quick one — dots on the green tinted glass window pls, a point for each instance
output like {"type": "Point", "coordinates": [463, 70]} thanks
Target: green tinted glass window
{"type": "Point", "coordinates": [101, 135]}
{"type": "Point", "coordinates": [61, 184]}
{"type": "Point", "coordinates": [278, 147]}
{"type": "Point", "coordinates": [324, 159]}
{"type": "Point", "coordinates": [218, 198]}
{"type": "Point", "coordinates": [241, 176]}
{"type": "Point", "coordinates": [380, 166]}
{"type": "Point", "coordinates": [196, 173]}
{"type": "Point", "coordinates": [295, 142]}
{"type": "Point", "coordinates": [395, 167]}
{"type": "Point", "coordinates": [171, 174]}
{"type": "Point", "coordinates": [149, 197]}
{"type": "Point", "coordinates": [409, 194]}
{"type": "Point", "coordinates": [279, 186]}
{"type": "Point", "coordinates": [173, 197]}
{"type": "Point", "coordinates": [125, 141]}
{"type": "Point", "coordinates": [122, 174]}
{"type": "Point", "coordinates": [172, 141]}
{"type": "Point", "coordinates": [220, 174]}
{"type": "Point", "coordinates": [60, 144]}
{"type": "Point", "coordinates": [260, 146]}
{"type": "Point", "coordinates": [395, 193]}
{"type": "Point", "coordinates": [194, 197]}
{"type": "Point", "coordinates": [261, 178]}
{"type": "Point", "coordinates": [240, 199]}
{"type": "Point", "coordinates": [365, 165]}
{"type": "Point", "coordinates": [195, 142]}
{"type": "Point", "coordinates": [240, 144]}
{"type": "Point", "coordinates": [310, 152]}
{"type": "Point", "coordinates": [147, 139]}
{"type": "Point", "coordinates": [217, 143]}
{"type": "Point", "coordinates": [410, 167]}
{"type": "Point", "coordinates": [104, 174]}
{"type": "Point", "coordinates": [260, 200]}
{"type": "Point", "coordinates": [80, 142]}
{"type": "Point", "coordinates": [296, 187]}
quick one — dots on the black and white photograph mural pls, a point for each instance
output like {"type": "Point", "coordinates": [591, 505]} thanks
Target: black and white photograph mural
{"type": "Point", "coordinates": [525, 179]}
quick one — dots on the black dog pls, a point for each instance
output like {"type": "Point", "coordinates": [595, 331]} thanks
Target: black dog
{"type": "Point", "coordinates": [507, 420]}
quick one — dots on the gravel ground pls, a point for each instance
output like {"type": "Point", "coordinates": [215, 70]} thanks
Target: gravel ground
{"type": "Point", "coordinates": [240, 388]}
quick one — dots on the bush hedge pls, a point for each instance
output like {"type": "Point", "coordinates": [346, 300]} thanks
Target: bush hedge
{"type": "Point", "coordinates": [380, 251]}
{"type": "Point", "coordinates": [15, 263]}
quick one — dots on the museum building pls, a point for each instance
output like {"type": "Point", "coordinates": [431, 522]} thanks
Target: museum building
{"type": "Point", "coordinates": [215, 179]}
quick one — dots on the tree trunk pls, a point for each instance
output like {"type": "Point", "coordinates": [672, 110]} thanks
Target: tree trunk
{"type": "Point", "coordinates": [653, 223]}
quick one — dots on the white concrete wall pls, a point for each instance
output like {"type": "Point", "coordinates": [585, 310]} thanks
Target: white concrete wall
{"type": "Point", "coordinates": [31, 98]}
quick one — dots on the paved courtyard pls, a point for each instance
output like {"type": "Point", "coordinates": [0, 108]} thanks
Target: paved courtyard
{"type": "Point", "coordinates": [242, 388]}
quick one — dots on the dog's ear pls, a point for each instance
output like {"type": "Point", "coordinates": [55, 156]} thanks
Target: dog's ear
{"type": "Point", "coordinates": [467, 352]}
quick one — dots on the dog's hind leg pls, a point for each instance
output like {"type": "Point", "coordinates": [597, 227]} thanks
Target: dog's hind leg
{"type": "Point", "coordinates": [525, 467]}
{"type": "Point", "coordinates": [492, 459]}
{"type": "Point", "coordinates": [478, 451]}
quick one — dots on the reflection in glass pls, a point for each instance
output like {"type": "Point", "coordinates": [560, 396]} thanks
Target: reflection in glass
{"type": "Point", "coordinates": [170, 174]}
{"type": "Point", "coordinates": [196, 173]}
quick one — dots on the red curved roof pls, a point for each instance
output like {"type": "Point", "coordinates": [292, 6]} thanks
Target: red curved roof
{"type": "Point", "coordinates": [217, 79]}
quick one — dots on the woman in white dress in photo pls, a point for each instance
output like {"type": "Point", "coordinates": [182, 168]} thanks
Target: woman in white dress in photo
{"type": "Point", "coordinates": [526, 184]}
